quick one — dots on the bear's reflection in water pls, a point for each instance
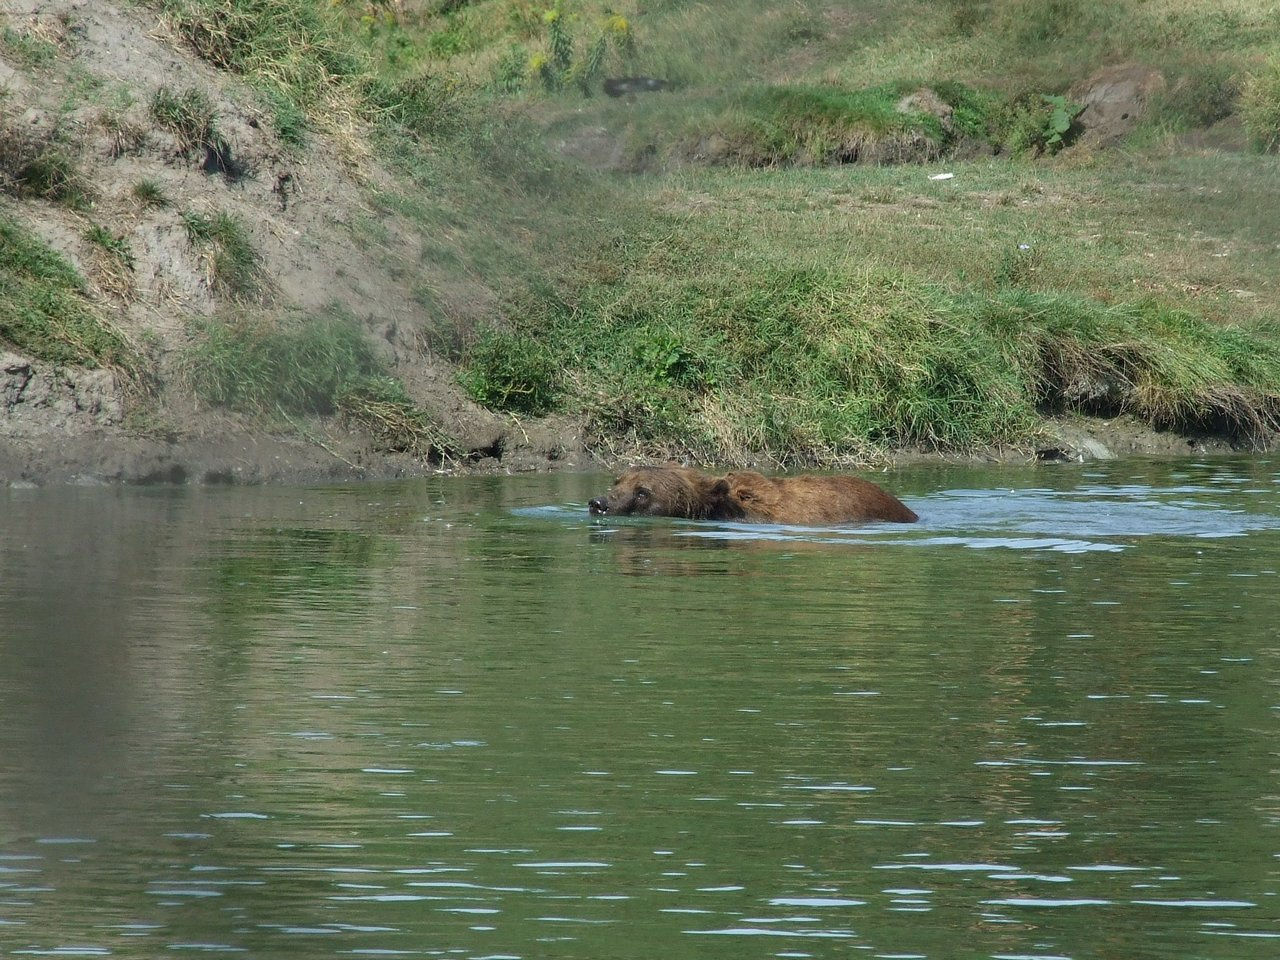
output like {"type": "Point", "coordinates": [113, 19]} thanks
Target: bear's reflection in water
{"type": "Point", "coordinates": [655, 548]}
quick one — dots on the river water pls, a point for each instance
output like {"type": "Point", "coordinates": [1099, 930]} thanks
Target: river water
{"type": "Point", "coordinates": [460, 718]}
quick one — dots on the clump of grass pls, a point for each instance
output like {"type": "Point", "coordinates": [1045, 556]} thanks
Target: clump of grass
{"type": "Point", "coordinates": [233, 268]}
{"type": "Point", "coordinates": [1203, 92]}
{"type": "Point", "coordinates": [149, 194]}
{"type": "Point", "coordinates": [44, 311]}
{"type": "Point", "coordinates": [295, 51]}
{"type": "Point", "coordinates": [263, 364]}
{"type": "Point", "coordinates": [314, 365]}
{"type": "Point", "coordinates": [767, 126]}
{"type": "Point", "coordinates": [1168, 367]}
{"type": "Point", "coordinates": [40, 165]}
{"type": "Point", "coordinates": [187, 114]}
{"type": "Point", "coordinates": [771, 126]}
{"type": "Point", "coordinates": [425, 105]}
{"type": "Point", "coordinates": [124, 137]}
{"type": "Point", "coordinates": [287, 118]}
{"type": "Point", "coordinates": [112, 259]}
{"type": "Point", "coordinates": [1260, 106]}
{"type": "Point", "coordinates": [295, 42]}
{"type": "Point", "coordinates": [32, 48]}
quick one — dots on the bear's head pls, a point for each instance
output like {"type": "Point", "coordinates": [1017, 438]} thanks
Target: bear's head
{"type": "Point", "coordinates": [667, 491]}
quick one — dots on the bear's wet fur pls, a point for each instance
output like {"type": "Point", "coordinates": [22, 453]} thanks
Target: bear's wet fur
{"type": "Point", "coordinates": [807, 499]}
{"type": "Point", "coordinates": [810, 499]}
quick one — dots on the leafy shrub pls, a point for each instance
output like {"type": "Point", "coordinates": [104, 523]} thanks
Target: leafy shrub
{"type": "Point", "coordinates": [1038, 124]}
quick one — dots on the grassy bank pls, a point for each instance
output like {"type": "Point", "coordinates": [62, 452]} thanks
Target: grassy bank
{"type": "Point", "coordinates": [765, 327]}
{"type": "Point", "coordinates": [808, 273]}
{"type": "Point", "coordinates": [816, 315]}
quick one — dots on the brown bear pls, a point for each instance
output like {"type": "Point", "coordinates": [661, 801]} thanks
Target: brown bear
{"type": "Point", "coordinates": [670, 491]}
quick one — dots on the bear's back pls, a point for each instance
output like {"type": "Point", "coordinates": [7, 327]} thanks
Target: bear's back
{"type": "Point", "coordinates": [813, 499]}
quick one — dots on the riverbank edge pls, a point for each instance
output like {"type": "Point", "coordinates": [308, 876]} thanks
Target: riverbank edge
{"type": "Point", "coordinates": [328, 452]}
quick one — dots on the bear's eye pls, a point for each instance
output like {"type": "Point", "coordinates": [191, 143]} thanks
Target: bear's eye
{"type": "Point", "coordinates": [642, 494]}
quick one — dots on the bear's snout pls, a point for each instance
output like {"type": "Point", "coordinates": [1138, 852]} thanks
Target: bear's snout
{"type": "Point", "coordinates": [598, 505]}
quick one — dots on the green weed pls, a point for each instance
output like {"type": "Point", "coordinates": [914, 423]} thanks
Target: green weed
{"type": "Point", "coordinates": [1038, 124]}
{"type": "Point", "coordinates": [568, 62]}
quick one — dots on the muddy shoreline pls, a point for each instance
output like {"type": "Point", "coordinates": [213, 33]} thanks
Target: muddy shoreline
{"type": "Point", "coordinates": [331, 453]}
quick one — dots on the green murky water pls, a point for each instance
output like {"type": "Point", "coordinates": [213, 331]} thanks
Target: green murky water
{"type": "Point", "coordinates": [459, 718]}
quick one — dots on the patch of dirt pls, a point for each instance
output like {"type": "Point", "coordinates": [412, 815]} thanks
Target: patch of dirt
{"type": "Point", "coordinates": [1115, 100]}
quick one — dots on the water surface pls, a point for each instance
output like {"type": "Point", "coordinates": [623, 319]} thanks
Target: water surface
{"type": "Point", "coordinates": [460, 718]}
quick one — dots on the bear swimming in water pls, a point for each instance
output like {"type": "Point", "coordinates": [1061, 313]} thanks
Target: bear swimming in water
{"type": "Point", "coordinates": [670, 491]}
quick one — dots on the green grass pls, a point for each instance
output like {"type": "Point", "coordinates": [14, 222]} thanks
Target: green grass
{"type": "Point", "coordinates": [816, 315]}
{"type": "Point", "coordinates": [233, 267]}
{"type": "Point", "coordinates": [263, 364]}
{"type": "Point", "coordinates": [1260, 105]}
{"type": "Point", "coordinates": [149, 194]}
{"type": "Point", "coordinates": [187, 114]}
{"type": "Point", "coordinates": [812, 365]}
{"type": "Point", "coordinates": [112, 244]}
{"type": "Point", "coordinates": [293, 45]}
{"type": "Point", "coordinates": [1014, 50]}
{"type": "Point", "coordinates": [41, 165]}
{"type": "Point", "coordinates": [272, 366]}
{"type": "Point", "coordinates": [44, 312]}
{"type": "Point", "coordinates": [28, 48]}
